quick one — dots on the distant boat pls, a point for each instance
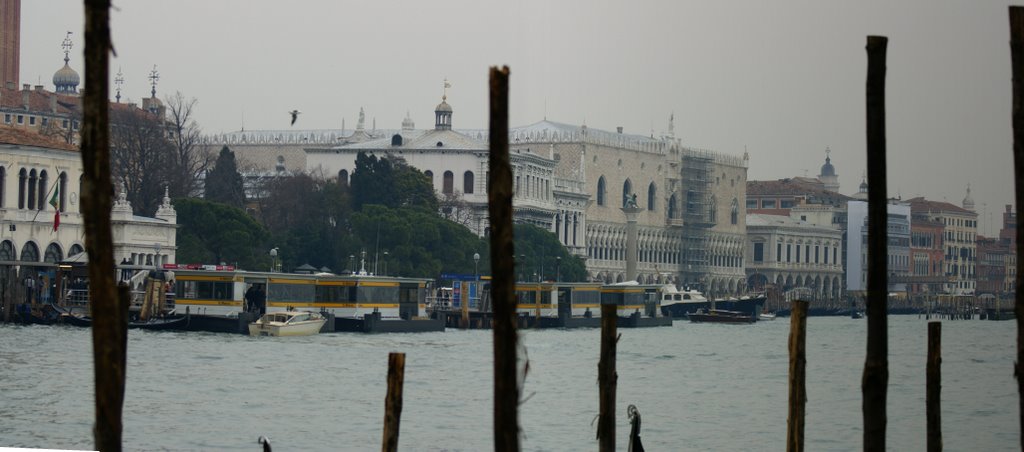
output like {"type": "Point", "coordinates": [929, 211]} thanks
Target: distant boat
{"type": "Point", "coordinates": [720, 316]}
{"type": "Point", "coordinates": [766, 316]}
{"type": "Point", "coordinates": [159, 323]}
{"type": "Point", "coordinates": [288, 323]}
{"type": "Point", "coordinates": [856, 314]}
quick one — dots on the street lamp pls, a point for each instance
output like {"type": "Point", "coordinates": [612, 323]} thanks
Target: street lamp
{"type": "Point", "coordinates": [385, 263]}
{"type": "Point", "coordinates": [351, 263]}
{"type": "Point", "coordinates": [523, 270]}
{"type": "Point", "coordinates": [476, 266]}
{"type": "Point", "coordinates": [558, 267]}
{"type": "Point", "coordinates": [273, 259]}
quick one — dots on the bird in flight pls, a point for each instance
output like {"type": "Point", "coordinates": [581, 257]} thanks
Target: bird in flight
{"type": "Point", "coordinates": [295, 115]}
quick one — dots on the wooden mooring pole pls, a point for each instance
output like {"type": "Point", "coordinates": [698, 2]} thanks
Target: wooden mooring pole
{"type": "Point", "coordinates": [109, 305]}
{"type": "Point", "coordinates": [876, 366]}
{"type": "Point", "coordinates": [607, 378]}
{"type": "Point", "coordinates": [934, 387]}
{"type": "Point", "coordinates": [1017, 57]}
{"type": "Point", "coordinates": [499, 196]}
{"type": "Point", "coordinates": [797, 376]}
{"type": "Point", "coordinates": [393, 401]}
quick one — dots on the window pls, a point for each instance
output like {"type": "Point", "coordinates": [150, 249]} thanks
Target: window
{"type": "Point", "coordinates": [751, 203]}
{"type": "Point", "coordinates": [759, 252]}
{"type": "Point", "coordinates": [64, 123]}
{"type": "Point", "coordinates": [652, 194]}
{"type": "Point", "coordinates": [778, 252]}
{"type": "Point", "coordinates": [767, 203]}
{"type": "Point", "coordinates": [627, 192]}
{"type": "Point", "coordinates": [600, 191]}
{"type": "Point", "coordinates": [45, 121]}
{"type": "Point", "coordinates": [7, 118]}
{"type": "Point", "coordinates": [21, 119]}
{"type": "Point", "coordinates": [31, 120]}
{"type": "Point", "coordinates": [43, 190]}
{"type": "Point", "coordinates": [449, 183]}
{"type": "Point", "coordinates": [32, 181]}
{"type": "Point", "coordinates": [672, 213]}
{"type": "Point", "coordinates": [467, 182]}
{"type": "Point", "coordinates": [786, 204]}
{"type": "Point", "coordinates": [734, 214]}
{"type": "Point", "coordinates": [789, 254]}
{"type": "Point", "coordinates": [22, 183]}
{"type": "Point", "coordinates": [343, 178]}
{"type": "Point", "coordinates": [798, 253]}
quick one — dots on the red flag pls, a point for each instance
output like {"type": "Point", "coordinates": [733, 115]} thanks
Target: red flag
{"type": "Point", "coordinates": [56, 220]}
{"type": "Point", "coordinates": [55, 202]}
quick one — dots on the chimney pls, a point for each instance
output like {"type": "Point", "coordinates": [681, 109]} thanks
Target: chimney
{"type": "Point", "coordinates": [619, 129]}
{"type": "Point", "coordinates": [25, 97]}
{"type": "Point", "coordinates": [11, 85]}
{"type": "Point", "coordinates": [39, 88]}
{"type": "Point", "coordinates": [53, 104]}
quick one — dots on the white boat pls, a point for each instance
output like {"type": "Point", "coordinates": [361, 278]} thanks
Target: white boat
{"type": "Point", "coordinates": [766, 316]}
{"type": "Point", "coordinates": [288, 323]}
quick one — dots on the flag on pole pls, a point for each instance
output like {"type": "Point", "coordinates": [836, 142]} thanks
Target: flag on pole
{"type": "Point", "coordinates": [55, 202]}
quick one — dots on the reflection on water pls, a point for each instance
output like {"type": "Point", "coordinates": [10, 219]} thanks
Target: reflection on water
{"type": "Point", "coordinates": [698, 387]}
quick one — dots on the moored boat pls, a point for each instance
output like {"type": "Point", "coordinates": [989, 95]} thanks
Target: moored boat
{"type": "Point", "coordinates": [719, 316]}
{"type": "Point", "coordinates": [288, 323]}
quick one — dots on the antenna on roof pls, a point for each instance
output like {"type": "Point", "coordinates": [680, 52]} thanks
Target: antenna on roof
{"type": "Point", "coordinates": [118, 82]}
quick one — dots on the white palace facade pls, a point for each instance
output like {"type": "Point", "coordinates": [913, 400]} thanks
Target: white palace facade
{"type": "Point", "coordinates": [569, 179]}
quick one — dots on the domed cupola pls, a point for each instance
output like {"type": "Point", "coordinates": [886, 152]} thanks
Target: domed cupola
{"type": "Point", "coordinates": [828, 174]}
{"type": "Point", "coordinates": [443, 111]}
{"type": "Point", "coordinates": [66, 80]}
{"type": "Point", "coordinates": [968, 201]}
{"type": "Point", "coordinates": [407, 123]}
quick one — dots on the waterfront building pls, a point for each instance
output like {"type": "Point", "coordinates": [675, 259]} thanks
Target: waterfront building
{"type": "Point", "coordinates": [898, 250]}
{"type": "Point", "coordinates": [960, 230]}
{"type": "Point", "coordinates": [790, 254]}
{"type": "Point", "coordinates": [1008, 234]}
{"type": "Point", "coordinates": [993, 255]}
{"type": "Point", "coordinates": [927, 250]}
{"type": "Point", "coordinates": [38, 176]}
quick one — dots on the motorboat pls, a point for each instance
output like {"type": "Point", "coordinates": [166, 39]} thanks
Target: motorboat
{"type": "Point", "coordinates": [288, 323]}
{"type": "Point", "coordinates": [766, 316]}
{"type": "Point", "coordinates": [720, 316]}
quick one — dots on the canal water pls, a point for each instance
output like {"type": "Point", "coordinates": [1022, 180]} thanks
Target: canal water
{"type": "Point", "coordinates": [697, 387]}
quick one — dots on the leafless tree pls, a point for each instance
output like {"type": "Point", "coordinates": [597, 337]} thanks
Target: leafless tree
{"type": "Point", "coordinates": [188, 161]}
{"type": "Point", "coordinates": [455, 209]}
{"type": "Point", "coordinates": [140, 156]}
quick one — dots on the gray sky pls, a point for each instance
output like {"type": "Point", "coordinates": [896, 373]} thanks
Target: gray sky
{"type": "Point", "coordinates": [782, 79]}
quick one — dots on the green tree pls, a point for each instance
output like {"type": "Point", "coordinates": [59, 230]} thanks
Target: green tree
{"type": "Point", "coordinates": [224, 183]}
{"type": "Point", "coordinates": [211, 232]}
{"type": "Point", "coordinates": [390, 182]}
{"type": "Point", "coordinates": [540, 253]}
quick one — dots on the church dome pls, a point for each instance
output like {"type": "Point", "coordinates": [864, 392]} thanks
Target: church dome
{"type": "Point", "coordinates": [827, 169]}
{"type": "Point", "coordinates": [443, 106]}
{"type": "Point", "coordinates": [66, 79]}
{"type": "Point", "coordinates": [968, 202]}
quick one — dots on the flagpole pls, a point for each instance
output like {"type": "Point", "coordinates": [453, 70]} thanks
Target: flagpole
{"type": "Point", "coordinates": [47, 195]}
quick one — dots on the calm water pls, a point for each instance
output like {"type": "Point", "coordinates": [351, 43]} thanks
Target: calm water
{"type": "Point", "coordinates": [698, 387]}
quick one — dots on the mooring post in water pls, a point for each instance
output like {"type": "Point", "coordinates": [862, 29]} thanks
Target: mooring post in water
{"type": "Point", "coordinates": [607, 378]}
{"type": "Point", "coordinates": [109, 305]}
{"type": "Point", "coordinates": [1017, 57]}
{"type": "Point", "coordinates": [875, 380]}
{"type": "Point", "coordinates": [797, 375]}
{"type": "Point", "coordinates": [499, 196]}
{"type": "Point", "coordinates": [934, 387]}
{"type": "Point", "coordinates": [393, 401]}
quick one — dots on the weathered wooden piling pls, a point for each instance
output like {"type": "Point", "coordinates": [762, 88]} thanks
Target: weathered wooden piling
{"type": "Point", "coordinates": [797, 376]}
{"type": "Point", "coordinates": [1017, 64]}
{"type": "Point", "coordinates": [876, 366]}
{"type": "Point", "coordinates": [933, 381]}
{"type": "Point", "coordinates": [499, 196]}
{"type": "Point", "coordinates": [393, 401]}
{"type": "Point", "coordinates": [607, 378]}
{"type": "Point", "coordinates": [109, 305]}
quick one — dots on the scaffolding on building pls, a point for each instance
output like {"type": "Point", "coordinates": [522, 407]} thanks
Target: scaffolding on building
{"type": "Point", "coordinates": [695, 169]}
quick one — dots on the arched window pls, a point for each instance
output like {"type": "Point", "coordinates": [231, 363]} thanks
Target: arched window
{"type": "Point", "coordinates": [30, 253]}
{"type": "Point", "coordinates": [672, 202]}
{"type": "Point", "coordinates": [76, 249]}
{"type": "Point", "coordinates": [652, 196]}
{"type": "Point", "coordinates": [734, 212]}
{"type": "Point", "coordinates": [62, 203]}
{"type": "Point", "coordinates": [343, 178]}
{"type": "Point", "coordinates": [3, 183]}
{"type": "Point", "coordinates": [32, 181]}
{"type": "Point", "coordinates": [600, 191]}
{"type": "Point", "coordinates": [43, 190]}
{"type": "Point", "coordinates": [53, 254]}
{"type": "Point", "coordinates": [449, 183]}
{"type": "Point", "coordinates": [713, 210]}
{"type": "Point", "coordinates": [627, 191]}
{"type": "Point", "coordinates": [467, 182]}
{"type": "Point", "coordinates": [7, 251]}
{"type": "Point", "coordinates": [691, 202]}
{"type": "Point", "coordinates": [22, 182]}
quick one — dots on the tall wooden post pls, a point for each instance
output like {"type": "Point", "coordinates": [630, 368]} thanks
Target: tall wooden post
{"type": "Point", "coordinates": [393, 401]}
{"type": "Point", "coordinates": [797, 376]}
{"type": "Point", "coordinates": [607, 378]}
{"type": "Point", "coordinates": [1017, 57]}
{"type": "Point", "coordinates": [499, 196]}
{"type": "Point", "coordinates": [109, 305]}
{"type": "Point", "coordinates": [933, 381]}
{"type": "Point", "coordinates": [874, 383]}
